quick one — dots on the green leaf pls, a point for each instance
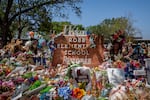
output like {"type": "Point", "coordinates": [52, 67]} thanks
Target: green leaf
{"type": "Point", "coordinates": [46, 89]}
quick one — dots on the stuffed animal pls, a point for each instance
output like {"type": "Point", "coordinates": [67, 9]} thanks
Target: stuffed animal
{"type": "Point", "coordinates": [118, 93]}
{"type": "Point", "coordinates": [14, 47]}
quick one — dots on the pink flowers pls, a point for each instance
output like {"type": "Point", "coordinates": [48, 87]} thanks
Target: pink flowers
{"type": "Point", "coordinates": [9, 84]}
{"type": "Point", "coordinates": [118, 36]}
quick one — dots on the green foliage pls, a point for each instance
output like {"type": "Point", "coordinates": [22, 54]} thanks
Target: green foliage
{"type": "Point", "coordinates": [46, 28]}
{"type": "Point", "coordinates": [15, 15]}
{"type": "Point", "coordinates": [58, 26]}
{"type": "Point", "coordinates": [35, 85]}
{"type": "Point", "coordinates": [46, 89]}
{"type": "Point", "coordinates": [55, 27]}
{"type": "Point", "coordinates": [109, 26]}
{"type": "Point", "coordinates": [102, 98]}
{"type": "Point", "coordinates": [27, 75]}
{"type": "Point", "coordinates": [82, 85]}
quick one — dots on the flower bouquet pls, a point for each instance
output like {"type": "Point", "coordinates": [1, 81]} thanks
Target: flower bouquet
{"type": "Point", "coordinates": [7, 89]}
{"type": "Point", "coordinates": [119, 64]}
{"type": "Point", "coordinates": [64, 92]}
{"type": "Point", "coordinates": [78, 93]}
{"type": "Point", "coordinates": [136, 63]}
{"type": "Point", "coordinates": [2, 73]}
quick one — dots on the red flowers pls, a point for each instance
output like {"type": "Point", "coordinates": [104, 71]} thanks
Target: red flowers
{"type": "Point", "coordinates": [115, 36]}
{"type": "Point", "coordinates": [135, 63]}
{"type": "Point", "coordinates": [118, 36]}
{"type": "Point", "coordinates": [119, 64]}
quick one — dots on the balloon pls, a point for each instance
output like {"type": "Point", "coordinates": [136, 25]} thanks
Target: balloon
{"type": "Point", "coordinates": [41, 43]}
{"type": "Point", "coordinates": [31, 34]}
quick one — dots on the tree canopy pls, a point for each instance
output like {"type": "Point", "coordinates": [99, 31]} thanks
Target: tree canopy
{"type": "Point", "coordinates": [109, 26]}
{"type": "Point", "coordinates": [17, 14]}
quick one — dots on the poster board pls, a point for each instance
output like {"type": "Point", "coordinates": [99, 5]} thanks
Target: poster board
{"type": "Point", "coordinates": [115, 76]}
{"type": "Point", "coordinates": [147, 65]}
{"type": "Point", "coordinates": [77, 48]}
{"type": "Point", "coordinates": [140, 72]}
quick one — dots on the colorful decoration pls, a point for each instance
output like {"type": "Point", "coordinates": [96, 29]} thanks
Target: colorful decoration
{"type": "Point", "coordinates": [45, 90]}
{"type": "Point", "coordinates": [31, 34]}
{"type": "Point", "coordinates": [41, 43]}
{"type": "Point", "coordinates": [35, 85]}
{"type": "Point", "coordinates": [113, 79]}
{"type": "Point", "coordinates": [51, 46]}
{"type": "Point", "coordinates": [119, 36]}
{"type": "Point", "coordinates": [78, 93]}
{"type": "Point", "coordinates": [136, 63]}
{"type": "Point", "coordinates": [64, 92]}
{"type": "Point", "coordinates": [119, 64]}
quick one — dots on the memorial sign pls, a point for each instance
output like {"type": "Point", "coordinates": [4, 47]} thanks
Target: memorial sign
{"type": "Point", "coordinates": [77, 47]}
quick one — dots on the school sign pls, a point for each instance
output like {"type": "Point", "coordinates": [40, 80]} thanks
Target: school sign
{"type": "Point", "coordinates": [78, 47]}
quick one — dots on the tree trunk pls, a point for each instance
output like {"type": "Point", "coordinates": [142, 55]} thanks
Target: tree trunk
{"type": "Point", "coordinates": [19, 32]}
{"type": "Point", "coordinates": [4, 38]}
{"type": "Point", "coordinates": [19, 17]}
{"type": "Point", "coordinates": [5, 34]}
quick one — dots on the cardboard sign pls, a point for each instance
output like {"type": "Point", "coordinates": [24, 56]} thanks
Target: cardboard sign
{"type": "Point", "coordinates": [115, 76]}
{"type": "Point", "coordinates": [78, 48]}
{"type": "Point", "coordinates": [139, 72]}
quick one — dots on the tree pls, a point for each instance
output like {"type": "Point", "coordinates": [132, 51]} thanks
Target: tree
{"type": "Point", "coordinates": [31, 12]}
{"type": "Point", "coordinates": [56, 27]}
{"type": "Point", "coordinates": [132, 32]}
{"type": "Point", "coordinates": [109, 26]}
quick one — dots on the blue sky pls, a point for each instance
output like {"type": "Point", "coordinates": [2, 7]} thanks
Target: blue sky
{"type": "Point", "coordinates": [95, 11]}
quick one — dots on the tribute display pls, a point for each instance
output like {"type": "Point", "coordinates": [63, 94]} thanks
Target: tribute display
{"type": "Point", "coordinates": [78, 47]}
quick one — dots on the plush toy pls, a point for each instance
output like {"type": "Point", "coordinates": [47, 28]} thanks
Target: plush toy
{"type": "Point", "coordinates": [106, 56]}
{"type": "Point", "coordinates": [10, 46]}
{"type": "Point", "coordinates": [14, 47]}
{"type": "Point", "coordinates": [88, 97]}
{"type": "Point", "coordinates": [92, 44]}
{"type": "Point", "coordinates": [52, 72]}
{"type": "Point", "coordinates": [31, 46]}
{"type": "Point", "coordinates": [118, 93]}
{"type": "Point", "coordinates": [27, 45]}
